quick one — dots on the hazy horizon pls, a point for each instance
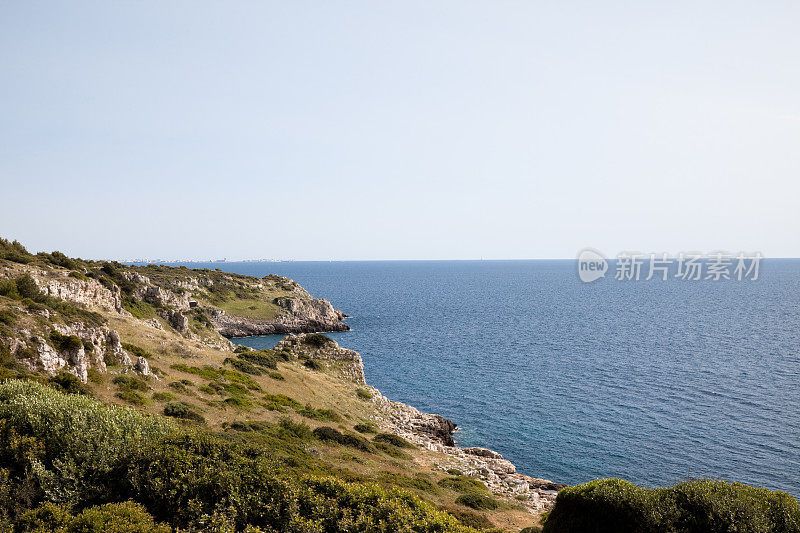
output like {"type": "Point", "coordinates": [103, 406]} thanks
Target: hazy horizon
{"type": "Point", "coordinates": [399, 130]}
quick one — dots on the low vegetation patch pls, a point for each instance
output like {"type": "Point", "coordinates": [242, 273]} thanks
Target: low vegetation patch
{"type": "Point", "coordinates": [329, 434]}
{"type": "Point", "coordinates": [323, 415]}
{"type": "Point", "coordinates": [183, 410]}
{"type": "Point", "coordinates": [480, 502]}
{"type": "Point", "coordinates": [392, 440]}
{"type": "Point", "coordinates": [463, 484]}
{"type": "Point", "coordinates": [317, 340]}
{"type": "Point", "coordinates": [700, 505]}
{"type": "Point", "coordinates": [363, 394]}
{"type": "Point", "coordinates": [366, 427]}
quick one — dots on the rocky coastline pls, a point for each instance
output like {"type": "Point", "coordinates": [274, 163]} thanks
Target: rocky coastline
{"type": "Point", "coordinates": [303, 316]}
{"type": "Point", "coordinates": [431, 431]}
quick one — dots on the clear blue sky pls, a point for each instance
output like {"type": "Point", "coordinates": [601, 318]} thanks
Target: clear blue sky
{"type": "Point", "coordinates": [399, 130]}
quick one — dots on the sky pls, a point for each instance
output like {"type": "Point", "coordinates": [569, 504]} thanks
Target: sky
{"type": "Point", "coordinates": [399, 129]}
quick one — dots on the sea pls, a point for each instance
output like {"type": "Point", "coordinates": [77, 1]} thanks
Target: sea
{"type": "Point", "coordinates": [655, 381]}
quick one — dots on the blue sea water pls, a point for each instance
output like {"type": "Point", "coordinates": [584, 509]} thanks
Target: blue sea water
{"type": "Point", "coordinates": [653, 381]}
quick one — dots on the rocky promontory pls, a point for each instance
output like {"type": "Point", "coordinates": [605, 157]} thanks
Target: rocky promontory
{"type": "Point", "coordinates": [301, 316]}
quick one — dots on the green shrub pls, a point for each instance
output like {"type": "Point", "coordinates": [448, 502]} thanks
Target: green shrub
{"type": "Point", "coordinates": [127, 517]}
{"type": "Point", "coordinates": [7, 317]}
{"type": "Point", "coordinates": [8, 288]}
{"type": "Point", "coordinates": [130, 383]}
{"type": "Point", "coordinates": [478, 501]}
{"type": "Point", "coordinates": [276, 375]}
{"type": "Point", "coordinates": [243, 366]}
{"type": "Point", "coordinates": [264, 358]}
{"type": "Point", "coordinates": [415, 483]}
{"type": "Point", "coordinates": [180, 386]}
{"type": "Point", "coordinates": [73, 441]}
{"type": "Point", "coordinates": [463, 484]}
{"type": "Point", "coordinates": [363, 394]}
{"type": "Point", "coordinates": [136, 351]}
{"type": "Point", "coordinates": [164, 397]}
{"type": "Point", "coordinates": [326, 433]}
{"type": "Point", "coordinates": [132, 397]}
{"type": "Point", "coordinates": [14, 251]}
{"type": "Point", "coordinates": [298, 430]}
{"type": "Point", "coordinates": [207, 389]}
{"type": "Point", "coordinates": [391, 451]}
{"type": "Point", "coordinates": [240, 403]}
{"type": "Point", "coordinates": [281, 400]}
{"type": "Point", "coordinates": [94, 375]}
{"type": "Point", "coordinates": [312, 364]}
{"type": "Point", "coordinates": [139, 309]}
{"type": "Point", "coordinates": [366, 427]}
{"type": "Point", "coordinates": [317, 340]}
{"type": "Point", "coordinates": [182, 410]}
{"type": "Point", "coordinates": [65, 343]}
{"type": "Point", "coordinates": [394, 440]}
{"type": "Point", "coordinates": [27, 288]}
{"type": "Point", "coordinates": [69, 383]}
{"type": "Point", "coordinates": [206, 476]}
{"type": "Point", "coordinates": [700, 505]}
{"type": "Point", "coordinates": [323, 415]}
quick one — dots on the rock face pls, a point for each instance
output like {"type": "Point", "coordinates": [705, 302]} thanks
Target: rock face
{"type": "Point", "coordinates": [346, 363]}
{"type": "Point", "coordinates": [303, 315]}
{"type": "Point", "coordinates": [89, 292]}
{"type": "Point", "coordinates": [98, 345]}
{"type": "Point", "coordinates": [160, 297]}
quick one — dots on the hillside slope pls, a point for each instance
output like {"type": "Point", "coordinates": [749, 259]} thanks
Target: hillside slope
{"type": "Point", "coordinates": [153, 339]}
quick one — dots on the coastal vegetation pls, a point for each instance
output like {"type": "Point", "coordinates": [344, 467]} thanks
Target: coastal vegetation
{"type": "Point", "coordinates": [711, 506]}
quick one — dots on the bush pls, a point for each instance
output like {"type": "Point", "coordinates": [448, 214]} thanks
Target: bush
{"type": "Point", "coordinates": [700, 505]}
{"type": "Point", "coordinates": [65, 343]}
{"type": "Point", "coordinates": [366, 427]}
{"type": "Point", "coordinates": [127, 517]}
{"type": "Point", "coordinates": [391, 451]}
{"type": "Point", "coordinates": [14, 251]}
{"type": "Point", "coordinates": [73, 442]}
{"type": "Point", "coordinates": [326, 433]}
{"type": "Point", "coordinates": [298, 430]}
{"type": "Point", "coordinates": [363, 394]}
{"type": "Point", "coordinates": [277, 402]}
{"type": "Point", "coordinates": [264, 358]}
{"type": "Point", "coordinates": [136, 351]}
{"type": "Point", "coordinates": [324, 415]}
{"type": "Point", "coordinates": [317, 340]}
{"type": "Point", "coordinates": [182, 410]}
{"type": "Point", "coordinates": [70, 384]}
{"type": "Point", "coordinates": [132, 397]}
{"type": "Point", "coordinates": [130, 383]}
{"type": "Point", "coordinates": [276, 375]}
{"type": "Point", "coordinates": [312, 364]}
{"type": "Point", "coordinates": [479, 501]}
{"type": "Point", "coordinates": [7, 317]}
{"type": "Point", "coordinates": [394, 440]}
{"type": "Point", "coordinates": [243, 366]}
{"type": "Point", "coordinates": [27, 288]}
{"type": "Point", "coordinates": [164, 397]}
{"type": "Point", "coordinates": [466, 485]}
